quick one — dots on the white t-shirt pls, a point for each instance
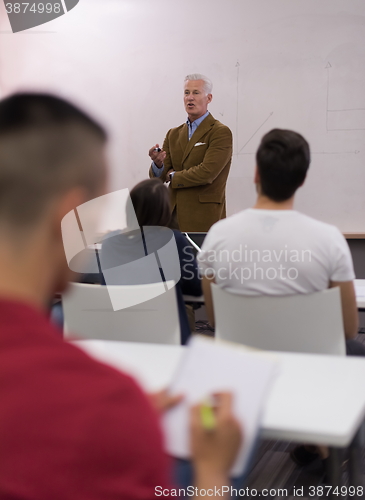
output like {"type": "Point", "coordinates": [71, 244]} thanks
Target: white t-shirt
{"type": "Point", "coordinates": [275, 252]}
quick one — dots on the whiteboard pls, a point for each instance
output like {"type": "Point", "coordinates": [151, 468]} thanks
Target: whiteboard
{"type": "Point", "coordinates": [297, 64]}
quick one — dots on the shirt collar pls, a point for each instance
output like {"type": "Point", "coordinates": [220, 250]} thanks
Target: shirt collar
{"type": "Point", "coordinates": [198, 121]}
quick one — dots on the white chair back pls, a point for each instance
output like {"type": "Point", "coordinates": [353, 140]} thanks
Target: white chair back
{"type": "Point", "coordinates": [89, 314]}
{"type": "Point", "coordinates": [310, 323]}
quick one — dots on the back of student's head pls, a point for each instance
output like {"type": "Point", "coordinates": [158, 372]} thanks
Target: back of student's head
{"type": "Point", "coordinates": [282, 160]}
{"type": "Point", "coordinates": [47, 146]}
{"type": "Point", "coordinates": [151, 202]}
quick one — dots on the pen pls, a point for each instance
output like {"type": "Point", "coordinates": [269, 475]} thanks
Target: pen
{"type": "Point", "coordinates": [207, 416]}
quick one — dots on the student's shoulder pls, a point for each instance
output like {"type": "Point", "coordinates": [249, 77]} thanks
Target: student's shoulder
{"type": "Point", "coordinates": [95, 391]}
{"type": "Point", "coordinates": [88, 367]}
{"type": "Point", "coordinates": [317, 225]}
{"type": "Point", "coordinates": [112, 391]}
{"type": "Point", "coordinates": [231, 221]}
{"type": "Point", "coordinates": [57, 371]}
{"type": "Point", "coordinates": [60, 363]}
{"type": "Point", "coordinates": [180, 238]}
{"type": "Point", "coordinates": [226, 227]}
{"type": "Point", "coordinates": [321, 234]}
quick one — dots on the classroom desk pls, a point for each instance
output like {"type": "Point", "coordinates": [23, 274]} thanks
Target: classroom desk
{"type": "Point", "coordinates": [316, 399]}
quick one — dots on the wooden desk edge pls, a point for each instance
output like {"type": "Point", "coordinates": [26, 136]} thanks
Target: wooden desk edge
{"type": "Point", "coordinates": [354, 236]}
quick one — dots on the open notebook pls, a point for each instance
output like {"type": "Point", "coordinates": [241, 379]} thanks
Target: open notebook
{"type": "Point", "coordinates": [209, 366]}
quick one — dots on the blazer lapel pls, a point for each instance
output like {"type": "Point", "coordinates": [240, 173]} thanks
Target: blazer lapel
{"type": "Point", "coordinates": [203, 128]}
{"type": "Point", "coordinates": [183, 137]}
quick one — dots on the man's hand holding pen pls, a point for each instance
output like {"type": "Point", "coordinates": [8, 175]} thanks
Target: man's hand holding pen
{"type": "Point", "coordinates": [157, 155]}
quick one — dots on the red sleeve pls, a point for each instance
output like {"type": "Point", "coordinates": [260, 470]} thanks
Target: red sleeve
{"type": "Point", "coordinates": [123, 450]}
{"type": "Point", "coordinates": [74, 428]}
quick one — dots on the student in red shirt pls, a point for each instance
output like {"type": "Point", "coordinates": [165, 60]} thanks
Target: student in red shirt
{"type": "Point", "coordinates": [70, 428]}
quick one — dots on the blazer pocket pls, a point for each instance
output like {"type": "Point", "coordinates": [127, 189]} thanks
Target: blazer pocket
{"type": "Point", "coordinates": [199, 148]}
{"type": "Point", "coordinates": [211, 198]}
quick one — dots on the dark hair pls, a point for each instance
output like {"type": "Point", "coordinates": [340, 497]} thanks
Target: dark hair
{"type": "Point", "coordinates": [25, 110]}
{"type": "Point", "coordinates": [46, 147]}
{"type": "Point", "coordinates": [151, 202]}
{"type": "Point", "coordinates": [282, 160]}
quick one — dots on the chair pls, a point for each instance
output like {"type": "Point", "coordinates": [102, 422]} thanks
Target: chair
{"type": "Point", "coordinates": [89, 313]}
{"type": "Point", "coordinates": [310, 323]}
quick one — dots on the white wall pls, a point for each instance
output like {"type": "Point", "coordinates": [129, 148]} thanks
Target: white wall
{"type": "Point", "coordinates": [274, 63]}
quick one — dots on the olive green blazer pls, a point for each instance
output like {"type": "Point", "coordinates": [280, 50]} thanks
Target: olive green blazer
{"type": "Point", "coordinates": [202, 166]}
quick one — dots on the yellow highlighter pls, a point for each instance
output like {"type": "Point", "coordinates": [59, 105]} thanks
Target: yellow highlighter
{"type": "Point", "coordinates": [208, 417]}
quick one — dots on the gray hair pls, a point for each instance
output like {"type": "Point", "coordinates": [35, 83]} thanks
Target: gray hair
{"type": "Point", "coordinates": [208, 85]}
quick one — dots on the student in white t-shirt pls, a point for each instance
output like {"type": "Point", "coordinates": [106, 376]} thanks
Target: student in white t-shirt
{"type": "Point", "coordinates": [271, 249]}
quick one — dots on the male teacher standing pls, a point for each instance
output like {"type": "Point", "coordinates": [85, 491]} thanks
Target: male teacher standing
{"type": "Point", "coordinates": [195, 159]}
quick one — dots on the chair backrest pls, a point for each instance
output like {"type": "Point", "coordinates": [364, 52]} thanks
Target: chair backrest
{"type": "Point", "coordinates": [89, 313]}
{"type": "Point", "coordinates": [309, 323]}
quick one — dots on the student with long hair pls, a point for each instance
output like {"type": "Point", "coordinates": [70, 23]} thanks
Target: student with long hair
{"type": "Point", "coordinates": [151, 207]}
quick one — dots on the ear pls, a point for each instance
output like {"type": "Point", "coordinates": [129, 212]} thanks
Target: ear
{"type": "Point", "coordinates": [67, 202]}
{"type": "Point", "coordinates": [64, 204]}
{"type": "Point", "coordinates": [209, 98]}
{"type": "Point", "coordinates": [303, 181]}
{"type": "Point", "coordinates": [256, 179]}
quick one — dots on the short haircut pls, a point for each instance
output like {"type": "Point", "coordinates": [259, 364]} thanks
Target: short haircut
{"type": "Point", "coordinates": [282, 160]}
{"type": "Point", "coordinates": [44, 141]}
{"type": "Point", "coordinates": [151, 202]}
{"type": "Point", "coordinates": [208, 85]}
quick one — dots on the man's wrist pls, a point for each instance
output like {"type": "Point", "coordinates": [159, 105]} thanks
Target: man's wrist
{"type": "Point", "coordinates": [210, 479]}
{"type": "Point", "coordinates": [206, 469]}
{"type": "Point", "coordinates": [155, 164]}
